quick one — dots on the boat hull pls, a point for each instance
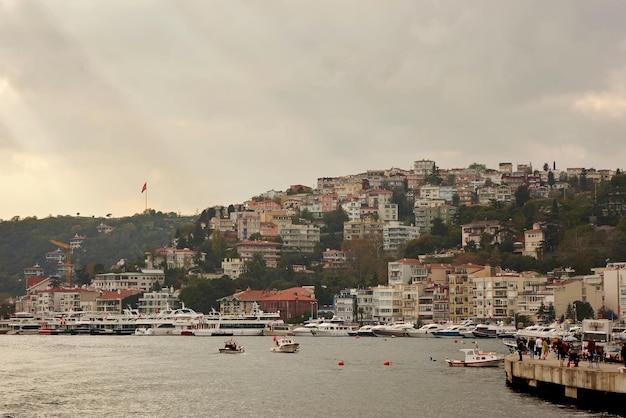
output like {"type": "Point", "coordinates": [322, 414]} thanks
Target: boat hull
{"type": "Point", "coordinates": [461, 363]}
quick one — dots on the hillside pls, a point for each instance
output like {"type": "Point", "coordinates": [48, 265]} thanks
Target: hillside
{"type": "Point", "coordinates": [23, 243]}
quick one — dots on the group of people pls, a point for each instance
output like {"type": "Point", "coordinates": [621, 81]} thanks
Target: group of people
{"type": "Point", "coordinates": [540, 347]}
{"type": "Point", "coordinates": [534, 346]}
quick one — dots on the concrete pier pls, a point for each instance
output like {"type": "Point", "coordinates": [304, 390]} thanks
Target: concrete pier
{"type": "Point", "coordinates": [588, 385]}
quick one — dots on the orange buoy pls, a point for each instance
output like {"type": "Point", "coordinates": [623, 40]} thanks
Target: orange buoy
{"type": "Point", "coordinates": [340, 363]}
{"type": "Point", "coordinates": [386, 363]}
{"type": "Point", "coordinates": [357, 336]}
{"type": "Point", "coordinates": [456, 341]}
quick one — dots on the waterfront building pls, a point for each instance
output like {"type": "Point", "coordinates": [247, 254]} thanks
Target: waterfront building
{"type": "Point", "coordinates": [614, 287]}
{"type": "Point", "coordinates": [461, 289]}
{"type": "Point", "coordinates": [387, 304]}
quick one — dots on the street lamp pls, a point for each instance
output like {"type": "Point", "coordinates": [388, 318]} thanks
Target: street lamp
{"type": "Point", "coordinates": [575, 315]}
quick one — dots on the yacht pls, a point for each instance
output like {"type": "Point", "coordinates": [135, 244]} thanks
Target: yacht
{"type": "Point", "coordinates": [392, 330]}
{"type": "Point", "coordinates": [330, 329]}
{"type": "Point", "coordinates": [453, 331]}
{"type": "Point", "coordinates": [365, 331]}
{"type": "Point", "coordinates": [424, 331]}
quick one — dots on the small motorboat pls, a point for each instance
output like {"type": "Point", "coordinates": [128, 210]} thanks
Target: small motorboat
{"type": "Point", "coordinates": [231, 347]}
{"type": "Point", "coordinates": [476, 358]}
{"type": "Point", "coordinates": [285, 345]}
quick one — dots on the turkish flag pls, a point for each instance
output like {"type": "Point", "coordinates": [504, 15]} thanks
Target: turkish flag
{"type": "Point", "coordinates": [145, 186]}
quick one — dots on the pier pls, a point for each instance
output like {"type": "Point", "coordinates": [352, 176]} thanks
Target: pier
{"type": "Point", "coordinates": [596, 386]}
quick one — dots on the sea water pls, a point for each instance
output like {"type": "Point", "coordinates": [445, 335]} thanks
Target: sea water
{"type": "Point", "coordinates": [150, 376]}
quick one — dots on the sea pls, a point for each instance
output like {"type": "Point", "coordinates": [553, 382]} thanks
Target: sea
{"type": "Point", "coordinates": [153, 376]}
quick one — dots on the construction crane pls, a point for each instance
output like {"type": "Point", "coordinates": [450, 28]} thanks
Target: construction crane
{"type": "Point", "coordinates": [68, 259]}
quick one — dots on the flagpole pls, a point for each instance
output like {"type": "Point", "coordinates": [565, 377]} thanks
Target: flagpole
{"type": "Point", "coordinates": [146, 210]}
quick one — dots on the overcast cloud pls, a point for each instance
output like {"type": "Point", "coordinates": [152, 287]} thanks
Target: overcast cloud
{"type": "Point", "coordinates": [213, 102]}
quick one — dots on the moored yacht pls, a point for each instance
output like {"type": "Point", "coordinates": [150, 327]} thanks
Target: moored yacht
{"type": "Point", "coordinates": [329, 329]}
{"type": "Point", "coordinates": [424, 331]}
{"type": "Point", "coordinates": [392, 330]}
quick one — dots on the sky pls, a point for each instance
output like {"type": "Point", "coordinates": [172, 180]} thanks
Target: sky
{"type": "Point", "coordinates": [214, 102]}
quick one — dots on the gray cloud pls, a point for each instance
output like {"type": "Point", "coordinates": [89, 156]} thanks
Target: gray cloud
{"type": "Point", "coordinates": [213, 102]}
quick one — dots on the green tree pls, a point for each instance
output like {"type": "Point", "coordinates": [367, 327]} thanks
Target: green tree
{"type": "Point", "coordinates": [333, 221]}
{"type": "Point", "coordinates": [522, 195]}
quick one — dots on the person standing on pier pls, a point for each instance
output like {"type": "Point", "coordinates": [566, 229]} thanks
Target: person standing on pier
{"type": "Point", "coordinates": [521, 347]}
{"type": "Point", "coordinates": [623, 353]}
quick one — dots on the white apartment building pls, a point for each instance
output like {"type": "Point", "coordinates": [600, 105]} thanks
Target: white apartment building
{"type": "Point", "coordinates": [158, 301]}
{"type": "Point", "coordinates": [143, 280]}
{"type": "Point", "coordinates": [302, 238]}
{"type": "Point", "coordinates": [387, 304]}
{"type": "Point", "coordinates": [233, 267]}
{"type": "Point", "coordinates": [395, 235]}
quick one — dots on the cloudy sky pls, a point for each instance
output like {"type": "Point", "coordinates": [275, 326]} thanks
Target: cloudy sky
{"type": "Point", "coordinates": [213, 102]}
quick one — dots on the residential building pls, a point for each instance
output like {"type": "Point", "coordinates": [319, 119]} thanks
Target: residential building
{"type": "Point", "coordinates": [614, 286]}
{"type": "Point", "coordinates": [387, 304]}
{"type": "Point", "coordinates": [334, 259]}
{"type": "Point", "coordinates": [158, 301]}
{"type": "Point", "coordinates": [301, 238]}
{"type": "Point", "coordinates": [406, 271]}
{"type": "Point", "coordinates": [248, 223]}
{"type": "Point", "coordinates": [233, 267]}
{"type": "Point", "coordinates": [269, 251]}
{"type": "Point", "coordinates": [34, 271]}
{"type": "Point", "coordinates": [395, 235]}
{"type": "Point", "coordinates": [424, 168]}
{"type": "Point", "coordinates": [76, 241]}
{"type": "Point", "coordinates": [388, 212]}
{"type": "Point", "coordinates": [362, 229]}
{"type": "Point", "coordinates": [461, 290]}
{"type": "Point", "coordinates": [114, 301]}
{"type": "Point", "coordinates": [172, 257]}
{"type": "Point", "coordinates": [144, 280]}
{"type": "Point", "coordinates": [533, 241]}
{"type": "Point", "coordinates": [474, 232]}
{"type": "Point", "coordinates": [104, 228]}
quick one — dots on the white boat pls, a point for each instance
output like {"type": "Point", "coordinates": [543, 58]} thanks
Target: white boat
{"type": "Point", "coordinates": [534, 331]}
{"type": "Point", "coordinates": [425, 331]}
{"type": "Point", "coordinates": [23, 323]}
{"type": "Point", "coordinates": [231, 347]}
{"type": "Point", "coordinates": [304, 330]}
{"type": "Point", "coordinates": [330, 329]}
{"type": "Point", "coordinates": [285, 345]}
{"type": "Point", "coordinates": [494, 331]}
{"type": "Point", "coordinates": [186, 321]}
{"type": "Point", "coordinates": [365, 331]}
{"type": "Point", "coordinates": [392, 330]}
{"type": "Point", "coordinates": [455, 331]}
{"type": "Point", "coordinates": [474, 357]}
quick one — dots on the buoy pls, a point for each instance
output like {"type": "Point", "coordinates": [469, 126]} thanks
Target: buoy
{"type": "Point", "coordinates": [340, 363]}
{"type": "Point", "coordinates": [386, 363]}
{"type": "Point", "coordinates": [456, 341]}
{"type": "Point", "coordinates": [357, 336]}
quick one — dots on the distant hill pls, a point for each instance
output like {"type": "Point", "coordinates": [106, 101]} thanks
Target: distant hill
{"type": "Point", "coordinates": [23, 243]}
